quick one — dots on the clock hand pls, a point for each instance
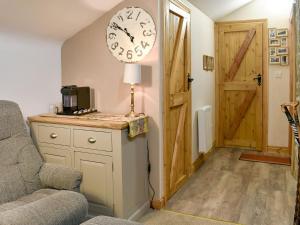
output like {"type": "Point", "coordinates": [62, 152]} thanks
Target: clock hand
{"type": "Point", "coordinates": [116, 26]}
{"type": "Point", "coordinates": [129, 35]}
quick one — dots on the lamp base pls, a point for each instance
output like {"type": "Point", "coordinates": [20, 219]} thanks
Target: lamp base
{"type": "Point", "coordinates": [132, 114]}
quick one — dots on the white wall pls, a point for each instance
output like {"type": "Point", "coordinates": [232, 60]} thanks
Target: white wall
{"type": "Point", "coordinates": [203, 87]}
{"type": "Point", "coordinates": [30, 72]}
{"type": "Point", "coordinates": [278, 13]}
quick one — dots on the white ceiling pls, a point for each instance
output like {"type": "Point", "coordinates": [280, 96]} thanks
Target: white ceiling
{"type": "Point", "coordinates": [53, 19]}
{"type": "Point", "coordinates": [217, 9]}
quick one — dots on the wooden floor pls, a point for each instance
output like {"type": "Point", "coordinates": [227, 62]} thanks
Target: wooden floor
{"type": "Point", "coordinates": [248, 193]}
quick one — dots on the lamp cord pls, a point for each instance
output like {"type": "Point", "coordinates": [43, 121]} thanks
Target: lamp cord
{"type": "Point", "coordinates": [149, 172]}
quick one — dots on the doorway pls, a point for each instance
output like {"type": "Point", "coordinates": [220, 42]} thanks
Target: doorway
{"type": "Point", "coordinates": [177, 97]}
{"type": "Point", "coordinates": [241, 84]}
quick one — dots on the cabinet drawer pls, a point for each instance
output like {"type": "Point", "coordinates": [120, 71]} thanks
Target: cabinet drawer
{"type": "Point", "coordinates": [54, 135]}
{"type": "Point", "coordinates": [97, 140]}
{"type": "Point", "coordinates": [57, 156]}
{"type": "Point", "coordinates": [97, 178]}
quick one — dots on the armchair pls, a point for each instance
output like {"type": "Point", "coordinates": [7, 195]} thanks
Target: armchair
{"type": "Point", "coordinates": [31, 191]}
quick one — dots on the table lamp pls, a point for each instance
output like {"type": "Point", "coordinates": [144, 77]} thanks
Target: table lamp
{"type": "Point", "coordinates": [132, 76]}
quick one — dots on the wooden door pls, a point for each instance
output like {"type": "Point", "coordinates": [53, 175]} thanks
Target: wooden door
{"type": "Point", "coordinates": [177, 97]}
{"type": "Point", "coordinates": [293, 82]}
{"type": "Point", "coordinates": [240, 97]}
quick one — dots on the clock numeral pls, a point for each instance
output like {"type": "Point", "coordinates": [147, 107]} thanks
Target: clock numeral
{"type": "Point", "coordinates": [138, 51]}
{"type": "Point", "coordinates": [130, 12]}
{"type": "Point", "coordinates": [114, 45]}
{"type": "Point", "coordinates": [129, 54]}
{"type": "Point", "coordinates": [144, 44]}
{"type": "Point", "coordinates": [138, 16]}
{"type": "Point", "coordinates": [112, 36]}
{"type": "Point", "coordinates": [114, 26]}
{"type": "Point", "coordinates": [147, 33]}
{"type": "Point", "coordinates": [142, 24]}
{"type": "Point", "coordinates": [121, 18]}
{"type": "Point", "coordinates": [121, 52]}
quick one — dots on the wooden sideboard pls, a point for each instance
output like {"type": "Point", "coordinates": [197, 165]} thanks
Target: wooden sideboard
{"type": "Point", "coordinates": [114, 167]}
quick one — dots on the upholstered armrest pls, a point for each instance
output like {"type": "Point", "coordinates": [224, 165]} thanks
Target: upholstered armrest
{"type": "Point", "coordinates": [60, 177]}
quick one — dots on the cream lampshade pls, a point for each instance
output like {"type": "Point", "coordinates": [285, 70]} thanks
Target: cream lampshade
{"type": "Point", "coordinates": [132, 76]}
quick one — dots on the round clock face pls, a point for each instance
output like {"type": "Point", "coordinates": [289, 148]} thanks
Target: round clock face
{"type": "Point", "coordinates": [131, 34]}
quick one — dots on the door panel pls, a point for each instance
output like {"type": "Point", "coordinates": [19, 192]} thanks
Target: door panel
{"type": "Point", "coordinates": [57, 156]}
{"type": "Point", "coordinates": [97, 183]}
{"type": "Point", "coordinates": [177, 98]}
{"type": "Point", "coordinates": [240, 96]}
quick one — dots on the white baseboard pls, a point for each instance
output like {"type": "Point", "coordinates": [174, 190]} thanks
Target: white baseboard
{"type": "Point", "coordinates": [140, 212]}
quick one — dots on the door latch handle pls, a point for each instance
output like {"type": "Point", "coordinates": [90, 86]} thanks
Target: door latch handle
{"type": "Point", "coordinates": [258, 79]}
{"type": "Point", "coordinates": [190, 80]}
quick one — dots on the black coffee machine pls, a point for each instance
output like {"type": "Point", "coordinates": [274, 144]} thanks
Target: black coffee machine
{"type": "Point", "coordinates": [76, 100]}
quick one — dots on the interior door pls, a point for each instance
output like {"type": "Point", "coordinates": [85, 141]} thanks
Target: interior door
{"type": "Point", "coordinates": [177, 98]}
{"type": "Point", "coordinates": [240, 84]}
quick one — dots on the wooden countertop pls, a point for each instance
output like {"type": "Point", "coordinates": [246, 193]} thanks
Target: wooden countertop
{"type": "Point", "coordinates": [96, 120]}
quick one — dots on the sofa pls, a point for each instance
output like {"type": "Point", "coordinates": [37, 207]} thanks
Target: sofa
{"type": "Point", "coordinates": [104, 220]}
{"type": "Point", "coordinates": [33, 192]}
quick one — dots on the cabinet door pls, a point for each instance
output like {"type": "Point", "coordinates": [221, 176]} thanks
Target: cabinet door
{"type": "Point", "coordinates": [57, 156]}
{"type": "Point", "coordinates": [97, 180]}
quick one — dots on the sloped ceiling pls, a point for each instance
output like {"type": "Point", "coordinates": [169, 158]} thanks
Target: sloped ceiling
{"type": "Point", "coordinates": [53, 19]}
{"type": "Point", "coordinates": [217, 9]}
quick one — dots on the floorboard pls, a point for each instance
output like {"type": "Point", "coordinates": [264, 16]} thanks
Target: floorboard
{"type": "Point", "coordinates": [250, 193]}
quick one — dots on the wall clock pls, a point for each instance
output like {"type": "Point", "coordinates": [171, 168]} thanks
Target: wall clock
{"type": "Point", "coordinates": [131, 34]}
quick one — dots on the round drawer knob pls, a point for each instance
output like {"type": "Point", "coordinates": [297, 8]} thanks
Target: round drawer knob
{"type": "Point", "coordinates": [92, 140]}
{"type": "Point", "coordinates": [53, 135]}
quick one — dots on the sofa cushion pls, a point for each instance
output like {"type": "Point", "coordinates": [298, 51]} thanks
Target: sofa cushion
{"type": "Point", "coordinates": [19, 166]}
{"type": "Point", "coordinates": [4, 129]}
{"type": "Point", "coordinates": [60, 177]}
{"type": "Point", "coordinates": [35, 196]}
{"type": "Point", "coordinates": [45, 207]}
{"type": "Point", "coordinates": [12, 185]}
{"type": "Point", "coordinates": [20, 161]}
{"type": "Point", "coordinates": [12, 119]}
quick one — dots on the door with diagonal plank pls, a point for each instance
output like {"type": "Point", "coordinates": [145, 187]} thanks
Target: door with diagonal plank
{"type": "Point", "coordinates": [240, 84]}
{"type": "Point", "coordinates": [177, 97]}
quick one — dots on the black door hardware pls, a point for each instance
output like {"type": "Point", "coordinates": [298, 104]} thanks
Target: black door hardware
{"type": "Point", "coordinates": [258, 79]}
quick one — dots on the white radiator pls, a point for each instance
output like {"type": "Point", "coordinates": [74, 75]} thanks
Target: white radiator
{"type": "Point", "coordinates": [205, 127]}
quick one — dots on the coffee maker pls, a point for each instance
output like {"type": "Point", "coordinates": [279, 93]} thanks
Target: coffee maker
{"type": "Point", "coordinates": [76, 100]}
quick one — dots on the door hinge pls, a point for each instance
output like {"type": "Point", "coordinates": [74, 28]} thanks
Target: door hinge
{"type": "Point", "coordinates": [112, 167]}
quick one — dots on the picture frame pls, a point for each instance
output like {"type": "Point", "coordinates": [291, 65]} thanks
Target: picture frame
{"type": "Point", "coordinates": [284, 42]}
{"type": "Point", "coordinates": [274, 42]}
{"type": "Point", "coordinates": [278, 46]}
{"type": "Point", "coordinates": [284, 60]}
{"type": "Point", "coordinates": [211, 63]}
{"type": "Point", "coordinates": [208, 63]}
{"type": "Point", "coordinates": [282, 32]}
{"type": "Point", "coordinates": [205, 66]}
{"type": "Point", "coordinates": [272, 33]}
{"type": "Point", "coordinates": [282, 51]}
{"type": "Point", "coordinates": [273, 51]}
{"type": "Point", "coordinates": [275, 60]}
